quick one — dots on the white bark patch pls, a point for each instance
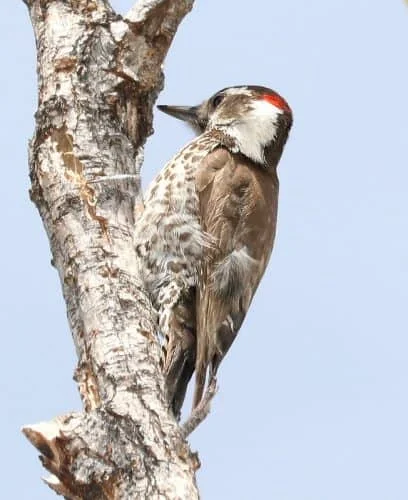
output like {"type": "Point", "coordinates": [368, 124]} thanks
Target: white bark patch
{"type": "Point", "coordinates": [118, 30]}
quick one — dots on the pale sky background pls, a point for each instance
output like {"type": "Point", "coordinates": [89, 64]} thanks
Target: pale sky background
{"type": "Point", "coordinates": [313, 396]}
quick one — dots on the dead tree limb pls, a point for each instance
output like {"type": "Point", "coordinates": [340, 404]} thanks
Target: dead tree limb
{"type": "Point", "coordinates": [99, 75]}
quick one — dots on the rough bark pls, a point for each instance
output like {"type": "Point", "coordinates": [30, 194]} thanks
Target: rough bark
{"type": "Point", "coordinates": [99, 75]}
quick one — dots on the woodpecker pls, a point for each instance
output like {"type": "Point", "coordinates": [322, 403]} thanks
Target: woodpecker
{"type": "Point", "coordinates": [207, 231]}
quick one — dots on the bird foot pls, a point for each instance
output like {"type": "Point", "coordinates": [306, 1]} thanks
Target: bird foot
{"type": "Point", "coordinates": [201, 411]}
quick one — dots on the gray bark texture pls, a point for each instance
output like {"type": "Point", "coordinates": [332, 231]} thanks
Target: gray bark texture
{"type": "Point", "coordinates": [99, 75]}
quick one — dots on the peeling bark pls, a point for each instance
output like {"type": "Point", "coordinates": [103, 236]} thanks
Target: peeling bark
{"type": "Point", "coordinates": [99, 75]}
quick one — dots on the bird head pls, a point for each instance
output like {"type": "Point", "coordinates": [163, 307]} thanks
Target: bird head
{"type": "Point", "coordinates": [256, 120]}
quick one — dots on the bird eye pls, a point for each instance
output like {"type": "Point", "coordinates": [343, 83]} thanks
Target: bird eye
{"type": "Point", "coordinates": [217, 100]}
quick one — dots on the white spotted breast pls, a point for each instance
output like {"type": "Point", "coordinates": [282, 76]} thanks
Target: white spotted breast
{"type": "Point", "coordinates": [168, 237]}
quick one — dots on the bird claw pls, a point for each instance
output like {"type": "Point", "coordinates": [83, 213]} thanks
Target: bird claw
{"type": "Point", "coordinates": [201, 411]}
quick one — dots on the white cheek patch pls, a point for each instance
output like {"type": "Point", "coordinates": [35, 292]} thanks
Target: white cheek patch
{"type": "Point", "coordinates": [264, 109]}
{"type": "Point", "coordinates": [257, 129]}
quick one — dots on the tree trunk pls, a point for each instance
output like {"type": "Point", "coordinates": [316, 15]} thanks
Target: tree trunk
{"type": "Point", "coordinates": [99, 76]}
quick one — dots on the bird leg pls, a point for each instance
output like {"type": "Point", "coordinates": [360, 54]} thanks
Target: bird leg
{"type": "Point", "coordinates": [201, 411]}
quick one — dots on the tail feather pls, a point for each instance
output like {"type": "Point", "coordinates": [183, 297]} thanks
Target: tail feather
{"type": "Point", "coordinates": [200, 379]}
{"type": "Point", "coordinates": [179, 367]}
{"type": "Point", "coordinates": [179, 349]}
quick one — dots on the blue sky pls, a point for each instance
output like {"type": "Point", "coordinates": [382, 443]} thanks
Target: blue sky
{"type": "Point", "coordinates": [313, 395]}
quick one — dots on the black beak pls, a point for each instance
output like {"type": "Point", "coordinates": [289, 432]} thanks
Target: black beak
{"type": "Point", "coordinates": [185, 113]}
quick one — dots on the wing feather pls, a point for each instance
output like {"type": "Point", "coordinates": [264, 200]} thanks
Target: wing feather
{"type": "Point", "coordinates": [238, 209]}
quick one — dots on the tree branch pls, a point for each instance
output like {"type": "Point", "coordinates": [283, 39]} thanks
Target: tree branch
{"type": "Point", "coordinates": [99, 76]}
